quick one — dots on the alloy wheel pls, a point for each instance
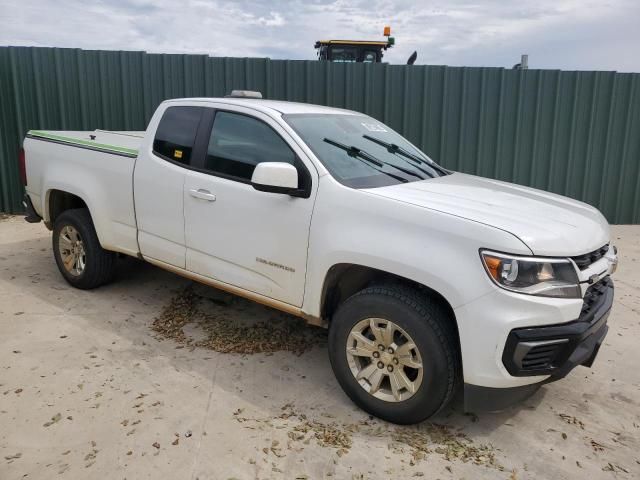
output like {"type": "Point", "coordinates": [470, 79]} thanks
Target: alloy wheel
{"type": "Point", "coordinates": [72, 253]}
{"type": "Point", "coordinates": [384, 359]}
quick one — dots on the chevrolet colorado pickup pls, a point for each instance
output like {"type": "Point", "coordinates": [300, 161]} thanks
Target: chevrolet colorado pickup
{"type": "Point", "coordinates": [427, 279]}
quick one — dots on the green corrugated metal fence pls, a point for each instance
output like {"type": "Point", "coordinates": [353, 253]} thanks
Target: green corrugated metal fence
{"type": "Point", "coordinates": [573, 133]}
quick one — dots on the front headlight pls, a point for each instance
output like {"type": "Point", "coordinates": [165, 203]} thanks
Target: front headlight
{"type": "Point", "coordinates": [544, 277]}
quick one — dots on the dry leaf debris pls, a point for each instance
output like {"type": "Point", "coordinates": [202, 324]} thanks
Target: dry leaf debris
{"type": "Point", "coordinates": [227, 333]}
{"type": "Point", "coordinates": [421, 440]}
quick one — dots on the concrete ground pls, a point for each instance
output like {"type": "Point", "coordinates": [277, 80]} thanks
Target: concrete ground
{"type": "Point", "coordinates": [125, 382]}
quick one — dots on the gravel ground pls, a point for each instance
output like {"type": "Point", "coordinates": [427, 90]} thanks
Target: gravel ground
{"type": "Point", "coordinates": [154, 377]}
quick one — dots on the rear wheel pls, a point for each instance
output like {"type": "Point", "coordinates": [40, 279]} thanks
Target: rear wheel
{"type": "Point", "coordinates": [394, 353]}
{"type": "Point", "coordinates": [80, 258]}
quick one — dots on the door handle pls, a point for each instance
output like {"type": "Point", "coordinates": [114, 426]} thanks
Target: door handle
{"type": "Point", "coordinates": [202, 194]}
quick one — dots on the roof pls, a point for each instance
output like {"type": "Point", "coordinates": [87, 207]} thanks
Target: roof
{"type": "Point", "coordinates": [269, 106]}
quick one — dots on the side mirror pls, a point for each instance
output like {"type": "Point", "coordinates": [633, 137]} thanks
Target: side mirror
{"type": "Point", "coordinates": [275, 177]}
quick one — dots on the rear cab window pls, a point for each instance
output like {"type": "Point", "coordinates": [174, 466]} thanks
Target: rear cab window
{"type": "Point", "coordinates": [176, 134]}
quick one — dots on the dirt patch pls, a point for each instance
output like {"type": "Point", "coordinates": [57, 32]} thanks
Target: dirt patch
{"type": "Point", "coordinates": [5, 216]}
{"type": "Point", "coordinates": [234, 326]}
{"type": "Point", "coordinates": [419, 441]}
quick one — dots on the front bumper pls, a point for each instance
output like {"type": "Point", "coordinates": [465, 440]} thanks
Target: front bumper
{"type": "Point", "coordinates": [556, 349]}
{"type": "Point", "coordinates": [550, 350]}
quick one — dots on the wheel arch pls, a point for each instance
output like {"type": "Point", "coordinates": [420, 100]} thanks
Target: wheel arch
{"type": "Point", "coordinates": [58, 201]}
{"type": "Point", "coordinates": [345, 279]}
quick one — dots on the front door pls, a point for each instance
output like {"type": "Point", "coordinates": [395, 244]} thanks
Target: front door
{"type": "Point", "coordinates": [235, 234]}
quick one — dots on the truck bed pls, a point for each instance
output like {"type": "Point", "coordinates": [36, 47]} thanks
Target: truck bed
{"type": "Point", "coordinates": [94, 165]}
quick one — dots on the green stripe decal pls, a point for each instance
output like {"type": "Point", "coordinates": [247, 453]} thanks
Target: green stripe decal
{"type": "Point", "coordinates": [88, 143]}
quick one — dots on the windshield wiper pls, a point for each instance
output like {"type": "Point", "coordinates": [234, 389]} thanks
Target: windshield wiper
{"type": "Point", "coordinates": [398, 150]}
{"type": "Point", "coordinates": [372, 161]}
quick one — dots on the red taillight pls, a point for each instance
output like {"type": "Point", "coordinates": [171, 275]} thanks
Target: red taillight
{"type": "Point", "coordinates": [22, 165]}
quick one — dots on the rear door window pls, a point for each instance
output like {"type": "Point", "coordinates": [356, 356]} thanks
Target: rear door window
{"type": "Point", "coordinates": [176, 134]}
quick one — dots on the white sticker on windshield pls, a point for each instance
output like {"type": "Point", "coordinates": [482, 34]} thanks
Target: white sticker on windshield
{"type": "Point", "coordinates": [374, 127]}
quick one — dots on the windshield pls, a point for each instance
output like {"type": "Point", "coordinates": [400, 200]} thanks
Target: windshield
{"type": "Point", "coordinates": [361, 152]}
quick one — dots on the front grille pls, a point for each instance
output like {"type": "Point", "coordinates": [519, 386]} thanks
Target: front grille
{"type": "Point", "coordinates": [594, 294]}
{"type": "Point", "coordinates": [541, 356]}
{"type": "Point", "coordinates": [584, 261]}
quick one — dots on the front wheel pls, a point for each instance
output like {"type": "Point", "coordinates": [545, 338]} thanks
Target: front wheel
{"type": "Point", "coordinates": [80, 258]}
{"type": "Point", "coordinates": [394, 353]}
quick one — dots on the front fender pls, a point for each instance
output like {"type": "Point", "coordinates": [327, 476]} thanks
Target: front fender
{"type": "Point", "coordinates": [431, 248]}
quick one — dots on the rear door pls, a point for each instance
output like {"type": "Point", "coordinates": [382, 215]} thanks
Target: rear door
{"type": "Point", "coordinates": [254, 240]}
{"type": "Point", "coordinates": [159, 182]}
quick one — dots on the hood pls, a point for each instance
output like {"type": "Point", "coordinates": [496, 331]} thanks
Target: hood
{"type": "Point", "coordinates": [547, 223]}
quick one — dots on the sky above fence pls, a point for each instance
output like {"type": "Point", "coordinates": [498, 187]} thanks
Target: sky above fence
{"type": "Point", "coordinates": [563, 34]}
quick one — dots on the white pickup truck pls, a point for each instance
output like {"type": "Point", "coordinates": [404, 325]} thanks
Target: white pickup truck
{"type": "Point", "coordinates": [427, 279]}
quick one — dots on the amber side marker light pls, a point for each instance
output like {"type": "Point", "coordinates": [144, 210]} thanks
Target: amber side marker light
{"type": "Point", "coordinates": [493, 266]}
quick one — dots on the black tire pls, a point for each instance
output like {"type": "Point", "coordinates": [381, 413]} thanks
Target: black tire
{"type": "Point", "coordinates": [433, 333]}
{"type": "Point", "coordinates": [100, 264]}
